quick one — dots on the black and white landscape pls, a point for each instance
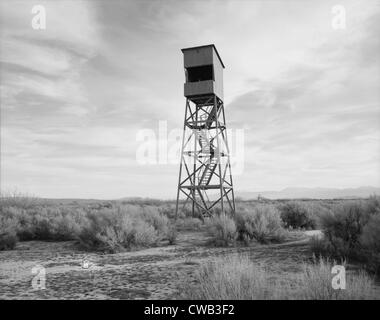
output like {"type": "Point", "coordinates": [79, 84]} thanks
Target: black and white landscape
{"type": "Point", "coordinates": [93, 96]}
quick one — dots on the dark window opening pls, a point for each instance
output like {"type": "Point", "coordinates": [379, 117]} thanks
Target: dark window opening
{"type": "Point", "coordinates": [202, 73]}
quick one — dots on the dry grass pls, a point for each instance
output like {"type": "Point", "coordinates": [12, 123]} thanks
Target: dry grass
{"type": "Point", "coordinates": [318, 277]}
{"type": "Point", "coordinates": [231, 278]}
{"type": "Point", "coordinates": [237, 277]}
{"type": "Point", "coordinates": [8, 237]}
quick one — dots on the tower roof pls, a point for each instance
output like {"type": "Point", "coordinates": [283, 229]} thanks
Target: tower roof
{"type": "Point", "coordinates": [205, 46]}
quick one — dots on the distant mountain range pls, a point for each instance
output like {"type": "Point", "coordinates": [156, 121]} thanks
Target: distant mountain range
{"type": "Point", "coordinates": [312, 193]}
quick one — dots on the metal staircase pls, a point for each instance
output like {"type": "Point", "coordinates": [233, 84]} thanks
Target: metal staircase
{"type": "Point", "coordinates": [206, 161]}
{"type": "Point", "coordinates": [205, 141]}
{"type": "Point", "coordinates": [201, 200]}
{"type": "Point", "coordinates": [208, 172]}
{"type": "Point", "coordinates": [207, 151]}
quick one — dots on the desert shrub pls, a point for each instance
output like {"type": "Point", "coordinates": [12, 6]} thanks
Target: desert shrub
{"type": "Point", "coordinates": [167, 210]}
{"type": "Point", "coordinates": [238, 278]}
{"type": "Point", "coordinates": [69, 225]}
{"type": "Point", "coordinates": [123, 228]}
{"type": "Point", "coordinates": [189, 224]}
{"type": "Point", "coordinates": [8, 240]}
{"type": "Point", "coordinates": [185, 212]}
{"type": "Point", "coordinates": [111, 231]}
{"type": "Point", "coordinates": [370, 237]}
{"type": "Point", "coordinates": [222, 230]}
{"type": "Point", "coordinates": [262, 223]}
{"type": "Point", "coordinates": [49, 223]}
{"type": "Point", "coordinates": [103, 227]}
{"type": "Point", "coordinates": [315, 211]}
{"type": "Point", "coordinates": [159, 221]}
{"type": "Point", "coordinates": [98, 234]}
{"type": "Point", "coordinates": [17, 199]}
{"type": "Point", "coordinates": [24, 226]}
{"type": "Point", "coordinates": [296, 215]}
{"type": "Point", "coordinates": [370, 243]}
{"type": "Point", "coordinates": [46, 223]}
{"type": "Point", "coordinates": [372, 205]}
{"type": "Point", "coordinates": [144, 235]}
{"type": "Point", "coordinates": [343, 226]}
{"type": "Point", "coordinates": [8, 236]}
{"type": "Point", "coordinates": [351, 230]}
{"type": "Point", "coordinates": [172, 235]}
{"type": "Point", "coordinates": [320, 247]}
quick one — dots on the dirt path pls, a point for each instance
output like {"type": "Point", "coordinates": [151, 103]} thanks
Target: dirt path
{"type": "Point", "coordinates": [154, 273]}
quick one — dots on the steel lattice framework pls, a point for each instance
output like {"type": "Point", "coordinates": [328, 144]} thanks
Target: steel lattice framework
{"type": "Point", "coordinates": [205, 166]}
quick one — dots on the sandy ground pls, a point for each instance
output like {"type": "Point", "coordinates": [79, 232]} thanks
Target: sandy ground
{"type": "Point", "coordinates": [154, 273]}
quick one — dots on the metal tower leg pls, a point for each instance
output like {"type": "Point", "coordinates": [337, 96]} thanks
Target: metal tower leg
{"type": "Point", "coordinates": [205, 120]}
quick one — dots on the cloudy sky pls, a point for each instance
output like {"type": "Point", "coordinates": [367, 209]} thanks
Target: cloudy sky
{"type": "Point", "coordinates": [75, 95]}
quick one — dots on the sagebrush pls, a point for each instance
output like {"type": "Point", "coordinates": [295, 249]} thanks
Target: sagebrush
{"type": "Point", "coordinates": [261, 223]}
{"type": "Point", "coordinates": [351, 230]}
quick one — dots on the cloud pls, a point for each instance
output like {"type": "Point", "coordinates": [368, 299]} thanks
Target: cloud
{"type": "Point", "coordinates": [74, 96]}
{"type": "Point", "coordinates": [318, 121]}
